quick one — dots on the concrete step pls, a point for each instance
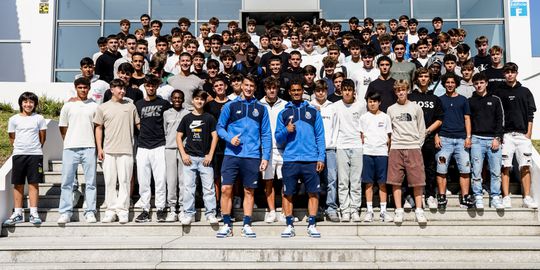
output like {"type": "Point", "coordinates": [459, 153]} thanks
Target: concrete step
{"type": "Point", "coordinates": [56, 178]}
{"type": "Point", "coordinates": [56, 166]}
{"type": "Point", "coordinates": [56, 189]}
{"type": "Point", "coordinates": [365, 250]}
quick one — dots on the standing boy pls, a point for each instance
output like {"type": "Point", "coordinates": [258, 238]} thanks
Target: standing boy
{"type": "Point", "coordinates": [376, 129]}
{"type": "Point", "coordinates": [77, 130]}
{"type": "Point", "coordinates": [245, 126]}
{"type": "Point", "coordinates": [119, 117]}
{"type": "Point", "coordinates": [199, 131]}
{"type": "Point", "coordinates": [300, 131]}
{"type": "Point", "coordinates": [519, 107]}
{"type": "Point", "coordinates": [405, 156]}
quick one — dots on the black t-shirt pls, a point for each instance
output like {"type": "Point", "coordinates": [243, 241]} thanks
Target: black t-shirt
{"type": "Point", "coordinates": [334, 98]}
{"type": "Point", "coordinates": [430, 104]}
{"type": "Point", "coordinates": [495, 78]}
{"type": "Point", "coordinates": [197, 130]}
{"type": "Point", "coordinates": [137, 82]}
{"type": "Point", "coordinates": [132, 94]}
{"type": "Point", "coordinates": [385, 88]}
{"type": "Point", "coordinates": [214, 108]}
{"type": "Point", "coordinates": [266, 57]}
{"type": "Point", "coordinates": [482, 62]}
{"type": "Point", "coordinates": [152, 132]}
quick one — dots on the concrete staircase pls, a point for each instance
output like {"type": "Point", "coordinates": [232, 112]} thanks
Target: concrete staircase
{"type": "Point", "coordinates": [456, 238]}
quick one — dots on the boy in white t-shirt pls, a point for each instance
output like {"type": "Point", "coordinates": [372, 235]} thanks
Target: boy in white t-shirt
{"type": "Point", "coordinates": [349, 151]}
{"type": "Point", "coordinates": [77, 130]}
{"type": "Point", "coordinates": [27, 132]}
{"type": "Point", "coordinates": [376, 128]}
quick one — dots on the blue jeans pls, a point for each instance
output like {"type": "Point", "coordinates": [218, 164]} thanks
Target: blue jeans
{"type": "Point", "coordinates": [453, 147]}
{"type": "Point", "coordinates": [71, 158]}
{"type": "Point", "coordinates": [190, 185]}
{"type": "Point", "coordinates": [329, 179]}
{"type": "Point", "coordinates": [481, 147]}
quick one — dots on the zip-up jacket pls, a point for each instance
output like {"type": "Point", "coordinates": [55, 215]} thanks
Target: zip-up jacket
{"type": "Point", "coordinates": [487, 118]}
{"type": "Point", "coordinates": [250, 120]}
{"type": "Point", "coordinates": [307, 142]}
{"type": "Point", "coordinates": [273, 112]}
{"type": "Point", "coordinates": [518, 106]}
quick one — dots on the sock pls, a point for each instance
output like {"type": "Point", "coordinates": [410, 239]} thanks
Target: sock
{"type": "Point", "coordinates": [383, 206]}
{"type": "Point", "coordinates": [33, 211]}
{"type": "Point", "coordinates": [369, 206]}
{"type": "Point", "coordinates": [227, 220]}
{"type": "Point", "coordinates": [419, 210]}
{"type": "Point", "coordinates": [290, 220]}
{"type": "Point", "coordinates": [247, 220]}
{"type": "Point", "coordinates": [311, 220]}
{"type": "Point", "coordinates": [18, 211]}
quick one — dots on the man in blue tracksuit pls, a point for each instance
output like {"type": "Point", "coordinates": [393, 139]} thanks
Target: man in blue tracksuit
{"type": "Point", "coordinates": [244, 124]}
{"type": "Point", "coordinates": [300, 132]}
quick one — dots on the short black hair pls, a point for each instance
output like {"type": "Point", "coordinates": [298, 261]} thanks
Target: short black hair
{"type": "Point", "coordinates": [510, 66]}
{"type": "Point", "coordinates": [384, 58]}
{"type": "Point", "coordinates": [126, 68]}
{"type": "Point", "coordinates": [480, 77]}
{"type": "Point", "coordinates": [28, 96]}
{"type": "Point", "coordinates": [451, 75]}
{"type": "Point", "coordinates": [117, 83]}
{"type": "Point", "coordinates": [152, 80]}
{"type": "Point", "coordinates": [200, 94]}
{"type": "Point", "coordinates": [86, 61]}
{"type": "Point", "coordinates": [348, 83]}
{"type": "Point", "coordinates": [373, 96]}
{"type": "Point", "coordinates": [179, 92]}
{"type": "Point", "coordinates": [81, 80]}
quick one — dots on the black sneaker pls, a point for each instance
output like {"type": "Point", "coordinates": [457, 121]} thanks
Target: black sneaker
{"type": "Point", "coordinates": [466, 201]}
{"type": "Point", "coordinates": [441, 201]}
{"type": "Point", "coordinates": [143, 217]}
{"type": "Point", "coordinates": [161, 215]}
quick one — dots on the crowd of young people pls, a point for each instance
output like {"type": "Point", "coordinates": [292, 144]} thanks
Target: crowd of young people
{"type": "Point", "coordinates": [334, 110]}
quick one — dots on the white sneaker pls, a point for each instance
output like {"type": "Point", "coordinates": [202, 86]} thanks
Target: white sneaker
{"type": "Point", "coordinates": [345, 217]}
{"type": "Point", "coordinates": [288, 232]}
{"type": "Point", "coordinates": [448, 192]}
{"type": "Point", "coordinates": [63, 219]}
{"type": "Point", "coordinates": [432, 203]}
{"type": "Point", "coordinates": [110, 216]}
{"type": "Point", "coordinates": [103, 206]}
{"type": "Point", "coordinates": [507, 202]}
{"type": "Point", "coordinates": [187, 219]}
{"type": "Point", "coordinates": [270, 217]}
{"type": "Point", "coordinates": [398, 215]}
{"type": "Point", "coordinates": [385, 217]}
{"type": "Point", "coordinates": [212, 219]}
{"type": "Point", "coordinates": [248, 232]}
{"type": "Point", "coordinates": [479, 202]}
{"type": "Point", "coordinates": [181, 215]}
{"type": "Point", "coordinates": [368, 217]}
{"type": "Point", "coordinates": [528, 202]}
{"type": "Point", "coordinates": [90, 217]}
{"type": "Point", "coordinates": [496, 202]}
{"type": "Point", "coordinates": [355, 217]}
{"type": "Point", "coordinates": [407, 204]}
{"type": "Point", "coordinates": [224, 231]}
{"type": "Point", "coordinates": [313, 232]}
{"type": "Point", "coordinates": [420, 217]}
{"type": "Point", "coordinates": [171, 217]}
{"type": "Point", "coordinates": [237, 202]}
{"type": "Point", "coordinates": [123, 217]}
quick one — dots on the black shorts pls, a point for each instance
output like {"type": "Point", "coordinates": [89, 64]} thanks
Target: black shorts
{"type": "Point", "coordinates": [27, 167]}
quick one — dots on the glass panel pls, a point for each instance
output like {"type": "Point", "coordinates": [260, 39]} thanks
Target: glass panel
{"type": "Point", "coordinates": [427, 9]}
{"type": "Point", "coordinates": [446, 26]}
{"type": "Point", "coordinates": [221, 27]}
{"type": "Point", "coordinates": [494, 33]}
{"type": "Point", "coordinates": [222, 9]}
{"type": "Point", "coordinates": [166, 29]}
{"type": "Point", "coordinates": [65, 76]}
{"type": "Point", "coordinates": [12, 54]}
{"type": "Point", "coordinates": [333, 9]}
{"type": "Point", "coordinates": [114, 28]}
{"type": "Point", "coordinates": [74, 43]}
{"type": "Point", "coordinates": [79, 10]}
{"type": "Point", "coordinates": [173, 9]}
{"type": "Point", "coordinates": [125, 9]}
{"type": "Point", "coordinates": [481, 8]}
{"type": "Point", "coordinates": [387, 9]}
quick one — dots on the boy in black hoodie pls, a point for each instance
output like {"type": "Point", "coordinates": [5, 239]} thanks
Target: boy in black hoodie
{"type": "Point", "coordinates": [519, 108]}
{"type": "Point", "coordinates": [487, 120]}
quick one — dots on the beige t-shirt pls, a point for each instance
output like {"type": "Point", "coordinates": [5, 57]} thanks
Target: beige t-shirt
{"type": "Point", "coordinates": [118, 120]}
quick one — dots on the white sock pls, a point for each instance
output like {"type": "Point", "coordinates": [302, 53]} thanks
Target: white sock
{"type": "Point", "coordinates": [383, 207]}
{"type": "Point", "coordinates": [18, 211]}
{"type": "Point", "coordinates": [369, 206]}
{"type": "Point", "coordinates": [33, 211]}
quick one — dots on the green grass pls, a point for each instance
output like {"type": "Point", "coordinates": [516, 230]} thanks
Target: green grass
{"type": "Point", "coordinates": [536, 144]}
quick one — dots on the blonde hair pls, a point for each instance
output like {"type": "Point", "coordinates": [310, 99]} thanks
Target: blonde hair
{"type": "Point", "coordinates": [400, 84]}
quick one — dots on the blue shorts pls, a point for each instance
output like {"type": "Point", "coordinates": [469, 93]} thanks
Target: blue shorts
{"type": "Point", "coordinates": [453, 148]}
{"type": "Point", "coordinates": [292, 171]}
{"type": "Point", "coordinates": [374, 169]}
{"type": "Point", "coordinates": [245, 168]}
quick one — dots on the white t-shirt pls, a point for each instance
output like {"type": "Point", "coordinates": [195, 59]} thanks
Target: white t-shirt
{"type": "Point", "coordinates": [328, 116]}
{"type": "Point", "coordinates": [362, 78]}
{"type": "Point", "coordinates": [78, 117]}
{"type": "Point", "coordinates": [348, 124]}
{"type": "Point", "coordinates": [26, 129]}
{"type": "Point", "coordinates": [97, 89]}
{"type": "Point", "coordinates": [375, 128]}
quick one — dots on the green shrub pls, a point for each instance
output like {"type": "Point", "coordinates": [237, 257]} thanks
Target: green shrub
{"type": "Point", "coordinates": [6, 107]}
{"type": "Point", "coordinates": [49, 107]}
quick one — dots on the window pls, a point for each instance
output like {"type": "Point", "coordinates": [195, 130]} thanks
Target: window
{"type": "Point", "coordinates": [222, 9]}
{"type": "Point", "coordinates": [388, 9]}
{"type": "Point", "coordinates": [125, 9]}
{"type": "Point", "coordinates": [342, 8]}
{"type": "Point", "coordinates": [79, 10]}
{"type": "Point", "coordinates": [494, 32]}
{"type": "Point", "coordinates": [173, 9]}
{"type": "Point", "coordinates": [428, 9]}
{"type": "Point", "coordinates": [74, 43]}
{"type": "Point", "coordinates": [481, 9]}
